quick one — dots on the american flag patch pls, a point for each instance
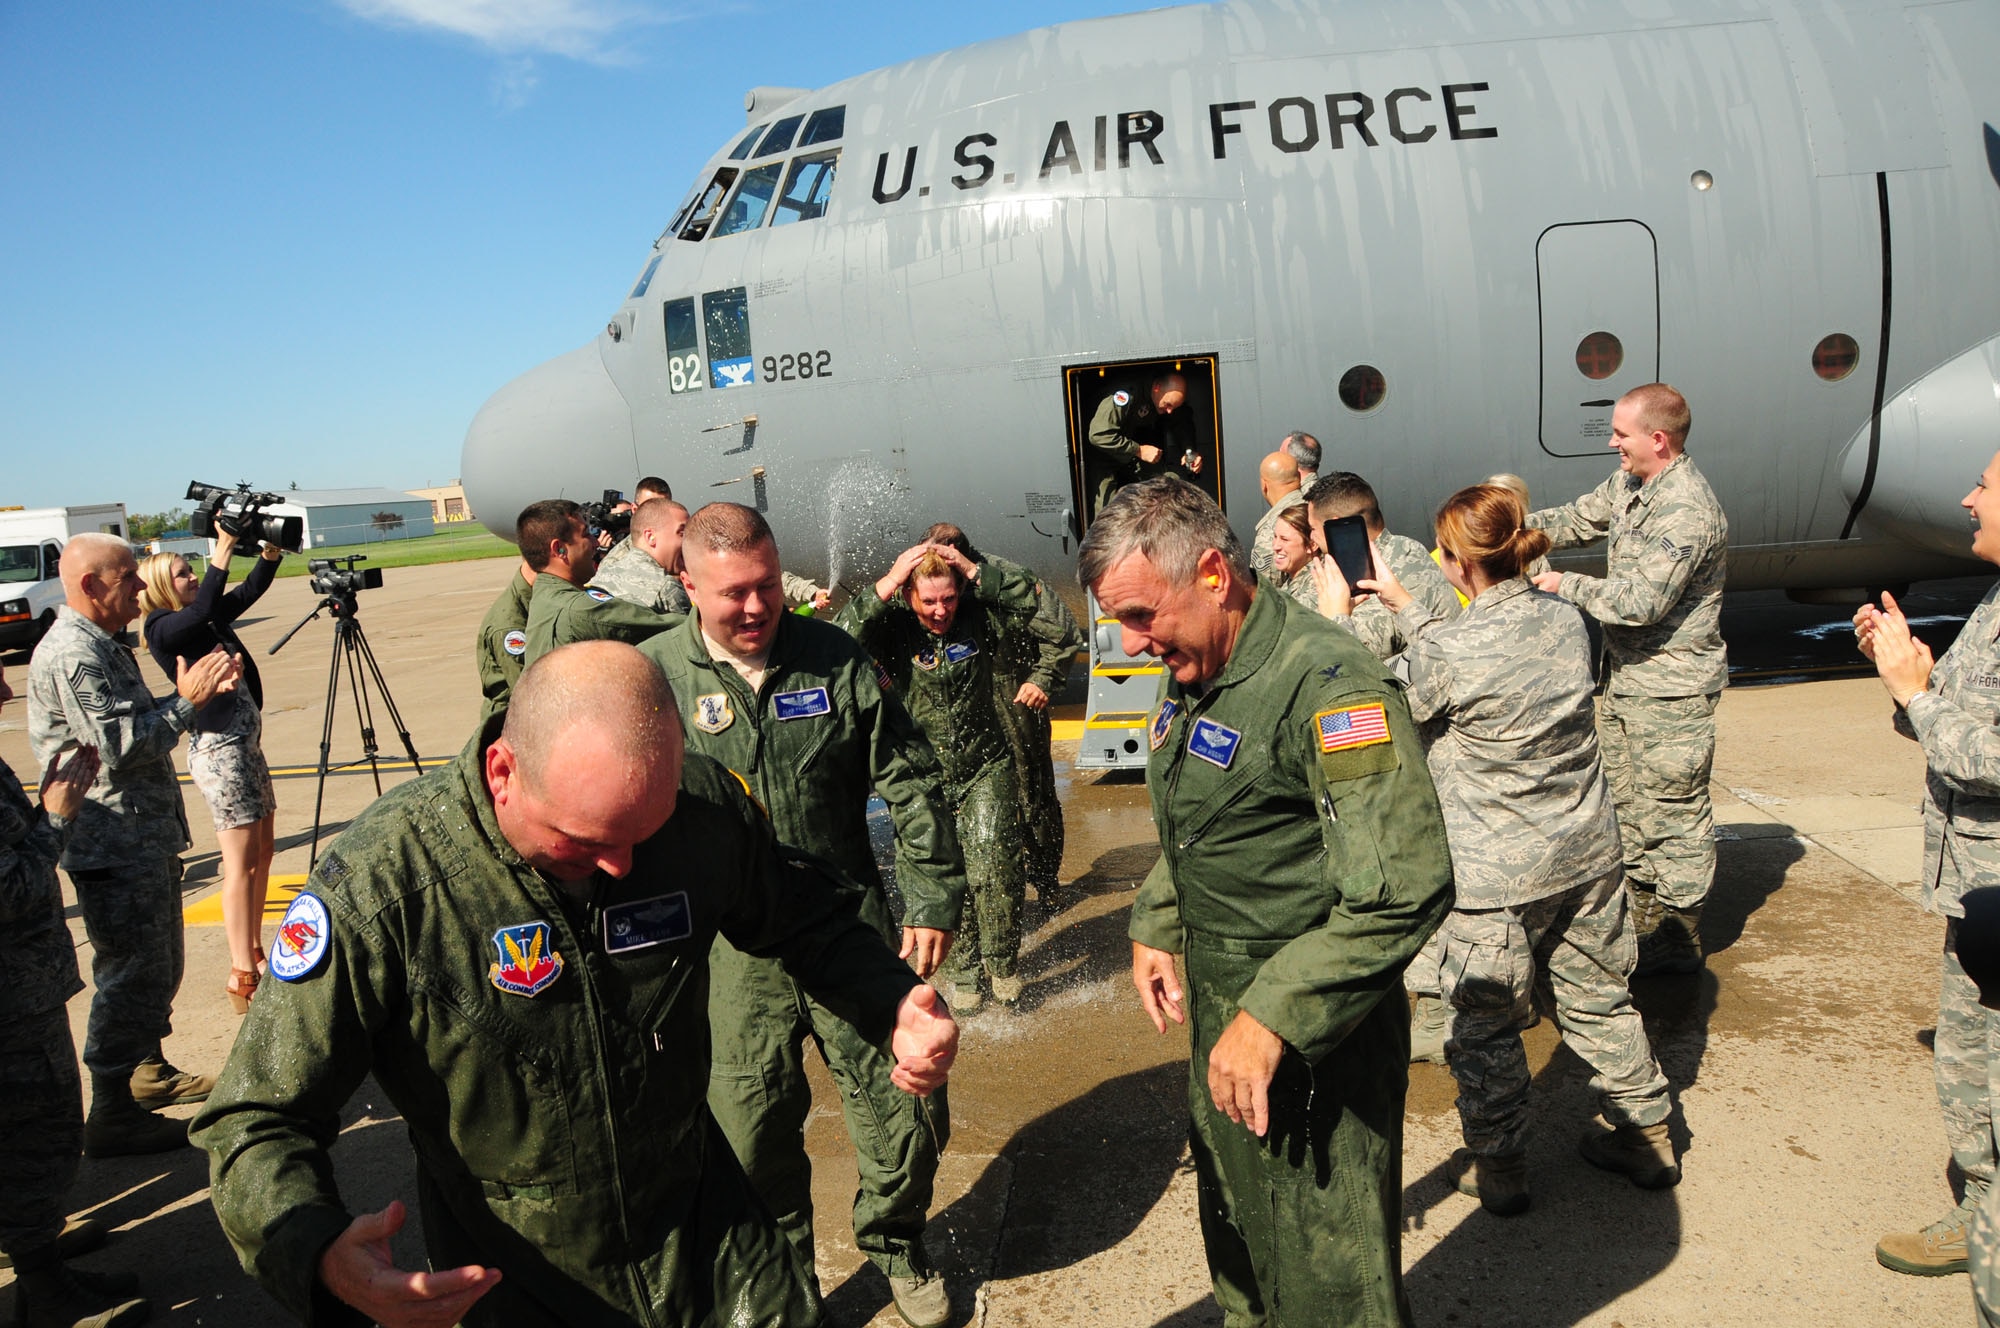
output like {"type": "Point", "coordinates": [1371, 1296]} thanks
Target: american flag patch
{"type": "Point", "coordinates": [1351, 726]}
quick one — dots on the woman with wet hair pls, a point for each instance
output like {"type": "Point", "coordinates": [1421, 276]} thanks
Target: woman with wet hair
{"type": "Point", "coordinates": [1504, 697]}
{"type": "Point", "coordinates": [186, 619]}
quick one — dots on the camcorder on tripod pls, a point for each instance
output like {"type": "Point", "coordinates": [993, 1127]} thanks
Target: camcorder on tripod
{"type": "Point", "coordinates": [339, 582]}
{"type": "Point", "coordinates": [240, 512]}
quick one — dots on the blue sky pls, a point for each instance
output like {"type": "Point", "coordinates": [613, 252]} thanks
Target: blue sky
{"type": "Point", "coordinates": [300, 241]}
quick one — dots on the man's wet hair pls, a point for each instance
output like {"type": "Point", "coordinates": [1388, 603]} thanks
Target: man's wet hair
{"type": "Point", "coordinates": [727, 528]}
{"type": "Point", "coordinates": [542, 524]}
{"type": "Point", "coordinates": [1169, 521]}
{"type": "Point", "coordinates": [606, 685]}
{"type": "Point", "coordinates": [654, 513]}
{"type": "Point", "coordinates": [1344, 493]}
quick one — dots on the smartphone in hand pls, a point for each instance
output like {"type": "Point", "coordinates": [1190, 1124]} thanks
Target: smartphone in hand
{"type": "Point", "coordinates": [1347, 543]}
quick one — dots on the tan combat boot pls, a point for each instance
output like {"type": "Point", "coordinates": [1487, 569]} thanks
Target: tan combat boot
{"type": "Point", "coordinates": [158, 1084]}
{"type": "Point", "coordinates": [119, 1127]}
{"type": "Point", "coordinates": [1499, 1183]}
{"type": "Point", "coordinates": [55, 1297]}
{"type": "Point", "coordinates": [1430, 1025]}
{"type": "Point", "coordinates": [1643, 1154]}
{"type": "Point", "coordinates": [1673, 948]}
{"type": "Point", "coordinates": [1933, 1252]}
{"type": "Point", "coordinates": [922, 1300]}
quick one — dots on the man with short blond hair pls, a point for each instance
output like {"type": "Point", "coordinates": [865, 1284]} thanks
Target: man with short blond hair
{"type": "Point", "coordinates": [563, 607]}
{"type": "Point", "coordinates": [1660, 601]}
{"type": "Point", "coordinates": [645, 567]}
{"type": "Point", "coordinates": [84, 689]}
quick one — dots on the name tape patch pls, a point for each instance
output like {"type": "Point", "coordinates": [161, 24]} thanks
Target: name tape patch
{"type": "Point", "coordinates": [1351, 726]}
{"type": "Point", "coordinates": [645, 923]}
{"type": "Point", "coordinates": [304, 937]}
{"type": "Point", "coordinates": [957, 652]}
{"type": "Point", "coordinates": [803, 704]}
{"type": "Point", "coordinates": [1214, 743]}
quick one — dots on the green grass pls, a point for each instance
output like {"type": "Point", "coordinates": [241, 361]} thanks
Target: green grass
{"type": "Point", "coordinates": [458, 542]}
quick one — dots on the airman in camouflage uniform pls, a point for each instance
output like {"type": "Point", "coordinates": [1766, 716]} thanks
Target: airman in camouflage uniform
{"type": "Point", "coordinates": [1303, 862]}
{"type": "Point", "coordinates": [810, 738]}
{"type": "Point", "coordinates": [503, 642]}
{"type": "Point", "coordinates": [1953, 710]}
{"type": "Point", "coordinates": [1503, 696]}
{"type": "Point", "coordinates": [1660, 602]}
{"type": "Point", "coordinates": [943, 666]}
{"type": "Point", "coordinates": [633, 572]}
{"type": "Point", "coordinates": [85, 689]}
{"type": "Point", "coordinates": [556, 542]}
{"type": "Point", "coordinates": [536, 1007]}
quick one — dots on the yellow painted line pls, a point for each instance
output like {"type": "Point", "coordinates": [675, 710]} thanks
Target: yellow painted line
{"type": "Point", "coordinates": [1134, 671]}
{"type": "Point", "coordinates": [1122, 719]}
{"type": "Point", "coordinates": [1066, 730]}
{"type": "Point", "coordinates": [207, 911]}
{"type": "Point", "coordinates": [390, 765]}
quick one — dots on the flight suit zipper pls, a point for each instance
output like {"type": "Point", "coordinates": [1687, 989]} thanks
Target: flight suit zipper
{"type": "Point", "coordinates": [593, 956]}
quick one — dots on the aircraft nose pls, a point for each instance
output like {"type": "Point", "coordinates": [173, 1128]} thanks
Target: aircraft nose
{"type": "Point", "coordinates": [560, 430]}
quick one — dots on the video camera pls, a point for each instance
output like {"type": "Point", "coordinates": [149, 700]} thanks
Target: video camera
{"type": "Point", "coordinates": [338, 578]}
{"type": "Point", "coordinates": [598, 516]}
{"type": "Point", "coordinates": [239, 512]}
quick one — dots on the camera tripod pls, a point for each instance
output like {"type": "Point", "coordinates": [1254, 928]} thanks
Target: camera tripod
{"type": "Point", "coordinates": [352, 656]}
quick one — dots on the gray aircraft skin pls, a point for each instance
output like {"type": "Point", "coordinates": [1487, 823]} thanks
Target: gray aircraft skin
{"type": "Point", "coordinates": [1791, 211]}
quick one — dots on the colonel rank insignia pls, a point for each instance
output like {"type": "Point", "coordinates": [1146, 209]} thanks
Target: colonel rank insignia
{"type": "Point", "coordinates": [712, 713]}
{"type": "Point", "coordinates": [528, 963]}
{"type": "Point", "coordinates": [1351, 726]}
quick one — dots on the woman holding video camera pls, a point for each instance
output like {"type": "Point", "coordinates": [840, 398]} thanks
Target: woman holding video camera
{"type": "Point", "coordinates": [186, 620]}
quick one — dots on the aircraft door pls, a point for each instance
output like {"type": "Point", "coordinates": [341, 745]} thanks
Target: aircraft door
{"type": "Point", "coordinates": [1193, 430]}
{"type": "Point", "coordinates": [1599, 286]}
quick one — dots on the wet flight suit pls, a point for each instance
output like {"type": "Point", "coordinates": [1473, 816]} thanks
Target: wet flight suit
{"type": "Point", "coordinates": [503, 644]}
{"type": "Point", "coordinates": [947, 684]}
{"type": "Point", "coordinates": [814, 739]}
{"type": "Point", "coordinates": [1040, 653]}
{"type": "Point", "coordinates": [548, 1053]}
{"type": "Point", "coordinates": [559, 613]}
{"type": "Point", "coordinates": [1303, 862]}
{"type": "Point", "coordinates": [1123, 421]}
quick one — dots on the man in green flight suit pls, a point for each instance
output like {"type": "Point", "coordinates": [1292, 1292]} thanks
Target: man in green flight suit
{"type": "Point", "coordinates": [503, 642]}
{"type": "Point", "coordinates": [1033, 668]}
{"type": "Point", "coordinates": [936, 623]}
{"type": "Point", "coordinates": [1134, 435]}
{"type": "Point", "coordinates": [1303, 862]}
{"type": "Point", "coordinates": [516, 947]}
{"type": "Point", "coordinates": [793, 706]}
{"type": "Point", "coordinates": [564, 606]}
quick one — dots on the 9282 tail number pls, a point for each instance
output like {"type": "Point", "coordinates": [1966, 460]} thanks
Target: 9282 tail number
{"type": "Point", "coordinates": [799, 367]}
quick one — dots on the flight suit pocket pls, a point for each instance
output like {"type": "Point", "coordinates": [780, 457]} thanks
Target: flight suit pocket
{"type": "Point", "coordinates": [511, 1128]}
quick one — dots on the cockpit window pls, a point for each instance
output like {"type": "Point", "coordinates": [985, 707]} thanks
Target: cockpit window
{"type": "Point", "coordinates": [825, 126]}
{"type": "Point", "coordinates": [807, 188]}
{"type": "Point", "coordinates": [780, 136]}
{"type": "Point", "coordinates": [646, 278]}
{"type": "Point", "coordinates": [705, 207]}
{"type": "Point", "coordinates": [746, 210]}
{"type": "Point", "coordinates": [749, 140]}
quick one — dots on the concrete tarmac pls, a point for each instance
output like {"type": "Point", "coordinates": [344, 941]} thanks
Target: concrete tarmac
{"type": "Point", "coordinates": [1800, 1059]}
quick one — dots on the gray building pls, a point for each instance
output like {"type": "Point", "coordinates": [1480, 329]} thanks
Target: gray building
{"type": "Point", "coordinates": [356, 516]}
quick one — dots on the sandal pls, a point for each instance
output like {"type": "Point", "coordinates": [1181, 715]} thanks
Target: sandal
{"type": "Point", "coordinates": [261, 966]}
{"type": "Point", "coordinates": [242, 985]}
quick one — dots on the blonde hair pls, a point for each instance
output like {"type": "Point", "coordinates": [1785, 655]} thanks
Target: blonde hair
{"type": "Point", "coordinates": [157, 571]}
{"type": "Point", "coordinates": [1481, 526]}
{"type": "Point", "coordinates": [1515, 485]}
{"type": "Point", "coordinates": [931, 565]}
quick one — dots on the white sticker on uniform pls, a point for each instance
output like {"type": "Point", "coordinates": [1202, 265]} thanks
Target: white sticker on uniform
{"type": "Point", "coordinates": [304, 937]}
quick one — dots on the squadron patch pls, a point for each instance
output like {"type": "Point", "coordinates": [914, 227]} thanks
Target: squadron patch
{"type": "Point", "coordinates": [1214, 743]}
{"type": "Point", "coordinates": [645, 923]}
{"type": "Point", "coordinates": [528, 962]}
{"type": "Point", "coordinates": [957, 652]}
{"type": "Point", "coordinates": [713, 713]}
{"type": "Point", "coordinates": [1351, 726]}
{"type": "Point", "coordinates": [925, 659]}
{"type": "Point", "coordinates": [597, 593]}
{"type": "Point", "coordinates": [515, 642]}
{"type": "Point", "coordinates": [1121, 398]}
{"type": "Point", "coordinates": [304, 937]}
{"type": "Point", "coordinates": [803, 704]}
{"type": "Point", "coordinates": [1163, 721]}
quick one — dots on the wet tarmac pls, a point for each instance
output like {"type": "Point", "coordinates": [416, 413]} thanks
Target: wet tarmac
{"type": "Point", "coordinates": [1799, 1060]}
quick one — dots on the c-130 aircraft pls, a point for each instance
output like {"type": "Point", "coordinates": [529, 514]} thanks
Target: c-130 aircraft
{"type": "Point", "coordinates": [1445, 239]}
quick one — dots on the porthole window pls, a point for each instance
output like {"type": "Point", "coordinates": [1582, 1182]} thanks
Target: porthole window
{"type": "Point", "coordinates": [1835, 356]}
{"type": "Point", "coordinates": [1363, 387]}
{"type": "Point", "coordinates": [1599, 355]}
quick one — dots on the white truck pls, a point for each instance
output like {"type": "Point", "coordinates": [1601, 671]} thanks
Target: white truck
{"type": "Point", "coordinates": [31, 543]}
